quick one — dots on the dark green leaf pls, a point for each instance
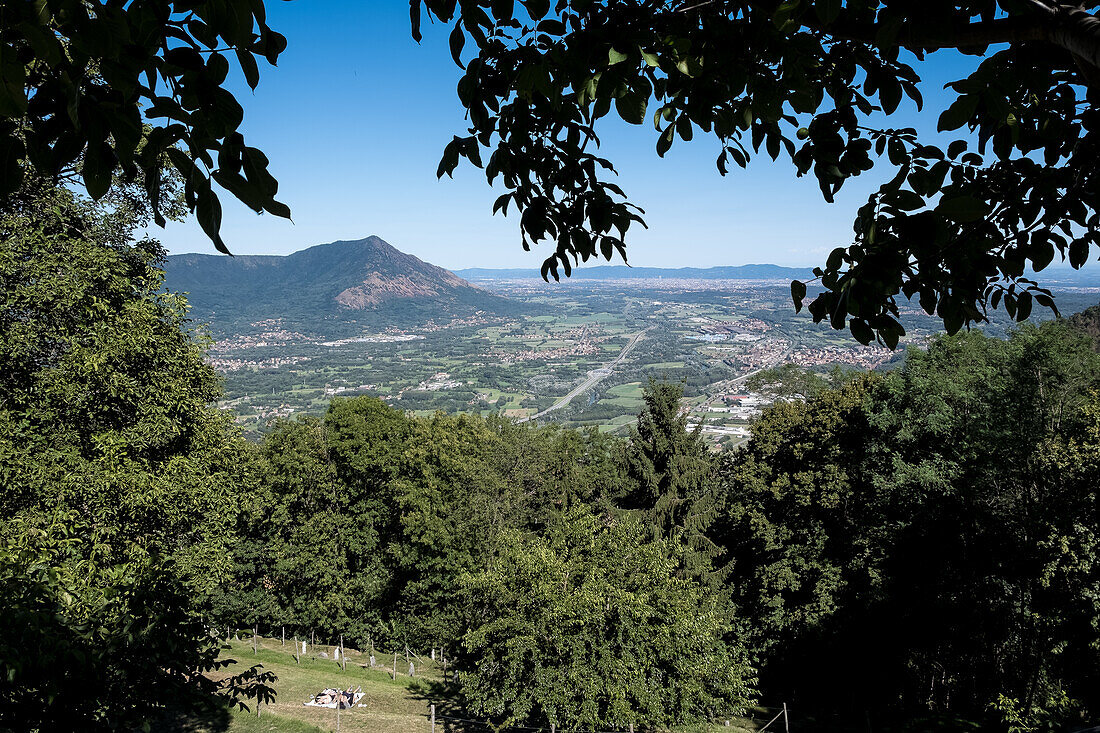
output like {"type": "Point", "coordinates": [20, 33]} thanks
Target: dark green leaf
{"type": "Point", "coordinates": [99, 166]}
{"type": "Point", "coordinates": [962, 208]}
{"type": "Point", "coordinates": [959, 113]}
{"type": "Point", "coordinates": [457, 41]}
{"type": "Point", "coordinates": [248, 66]}
{"type": "Point", "coordinates": [798, 294]}
{"type": "Point", "coordinates": [632, 108]}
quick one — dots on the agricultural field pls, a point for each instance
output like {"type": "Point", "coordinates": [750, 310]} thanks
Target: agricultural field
{"type": "Point", "coordinates": [572, 358]}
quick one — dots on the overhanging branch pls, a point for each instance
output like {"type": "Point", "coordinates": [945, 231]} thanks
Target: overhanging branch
{"type": "Point", "coordinates": [1066, 26]}
{"type": "Point", "coordinates": [986, 33]}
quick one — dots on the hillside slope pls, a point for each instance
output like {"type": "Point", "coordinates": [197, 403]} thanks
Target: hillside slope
{"type": "Point", "coordinates": [367, 281]}
{"type": "Point", "coordinates": [1088, 323]}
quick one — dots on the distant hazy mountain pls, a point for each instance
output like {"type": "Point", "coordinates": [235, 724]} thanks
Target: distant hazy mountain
{"type": "Point", "coordinates": [368, 281]}
{"type": "Point", "coordinates": [618, 272]}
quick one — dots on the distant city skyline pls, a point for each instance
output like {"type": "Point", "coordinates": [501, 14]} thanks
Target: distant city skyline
{"type": "Point", "coordinates": [357, 114]}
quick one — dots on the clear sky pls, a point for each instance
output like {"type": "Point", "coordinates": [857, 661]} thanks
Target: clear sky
{"type": "Point", "coordinates": [356, 115]}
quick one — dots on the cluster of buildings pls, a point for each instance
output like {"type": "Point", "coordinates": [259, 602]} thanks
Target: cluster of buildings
{"type": "Point", "coordinates": [333, 391]}
{"type": "Point", "coordinates": [762, 353]}
{"type": "Point", "coordinates": [382, 338]}
{"type": "Point", "coordinates": [272, 337]}
{"type": "Point", "coordinates": [863, 357]}
{"type": "Point", "coordinates": [480, 318]}
{"type": "Point", "coordinates": [226, 364]}
{"type": "Point", "coordinates": [438, 381]}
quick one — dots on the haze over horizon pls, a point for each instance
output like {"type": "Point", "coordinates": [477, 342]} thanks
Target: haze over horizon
{"type": "Point", "coordinates": [353, 140]}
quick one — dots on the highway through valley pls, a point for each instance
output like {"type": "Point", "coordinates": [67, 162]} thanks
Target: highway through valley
{"type": "Point", "coordinates": [594, 377]}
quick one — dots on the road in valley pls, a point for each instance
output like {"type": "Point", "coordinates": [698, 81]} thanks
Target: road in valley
{"type": "Point", "coordinates": [594, 376]}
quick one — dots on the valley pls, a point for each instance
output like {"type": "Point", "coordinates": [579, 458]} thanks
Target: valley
{"type": "Point", "coordinates": [564, 359]}
{"type": "Point", "coordinates": [291, 333]}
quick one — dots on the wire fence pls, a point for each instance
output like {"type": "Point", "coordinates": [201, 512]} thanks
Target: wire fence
{"type": "Point", "coordinates": [303, 645]}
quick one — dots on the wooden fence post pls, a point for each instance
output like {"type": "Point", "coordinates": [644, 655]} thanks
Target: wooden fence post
{"type": "Point", "coordinates": [343, 655]}
{"type": "Point", "coordinates": [297, 651]}
{"type": "Point", "coordinates": [284, 636]}
{"type": "Point", "coordinates": [395, 665]}
{"type": "Point", "coordinates": [312, 642]}
{"type": "Point", "coordinates": [433, 717]}
{"type": "Point", "coordinates": [256, 643]}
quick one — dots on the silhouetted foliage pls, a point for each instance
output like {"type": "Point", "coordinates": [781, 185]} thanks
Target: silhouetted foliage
{"type": "Point", "coordinates": [811, 82]}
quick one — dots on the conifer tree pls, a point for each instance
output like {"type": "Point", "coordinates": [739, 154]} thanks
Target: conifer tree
{"type": "Point", "coordinates": [671, 476]}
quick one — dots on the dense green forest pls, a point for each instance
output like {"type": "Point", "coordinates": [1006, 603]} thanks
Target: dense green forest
{"type": "Point", "coordinates": [899, 548]}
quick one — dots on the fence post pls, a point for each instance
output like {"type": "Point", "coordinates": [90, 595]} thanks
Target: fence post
{"type": "Point", "coordinates": [786, 720]}
{"type": "Point", "coordinates": [256, 643]}
{"type": "Point", "coordinates": [433, 717]}
{"type": "Point", "coordinates": [297, 654]}
{"type": "Point", "coordinates": [312, 642]}
{"type": "Point", "coordinates": [395, 666]}
{"type": "Point", "coordinates": [284, 636]}
{"type": "Point", "coordinates": [343, 655]}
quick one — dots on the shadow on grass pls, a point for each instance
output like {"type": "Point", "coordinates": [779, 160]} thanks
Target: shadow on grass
{"type": "Point", "coordinates": [448, 706]}
{"type": "Point", "coordinates": [194, 718]}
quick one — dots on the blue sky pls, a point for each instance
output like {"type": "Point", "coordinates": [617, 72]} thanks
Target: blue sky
{"type": "Point", "coordinates": [356, 115]}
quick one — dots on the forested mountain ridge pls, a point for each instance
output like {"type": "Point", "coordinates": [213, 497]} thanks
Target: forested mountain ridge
{"type": "Point", "coordinates": [1088, 323]}
{"type": "Point", "coordinates": [366, 280]}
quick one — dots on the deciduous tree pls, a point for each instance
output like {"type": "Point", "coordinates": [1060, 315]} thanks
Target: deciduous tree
{"type": "Point", "coordinates": [92, 90]}
{"type": "Point", "coordinates": [814, 82]}
{"type": "Point", "coordinates": [589, 626]}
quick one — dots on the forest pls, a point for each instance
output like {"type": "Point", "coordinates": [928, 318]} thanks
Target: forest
{"type": "Point", "coordinates": [909, 548]}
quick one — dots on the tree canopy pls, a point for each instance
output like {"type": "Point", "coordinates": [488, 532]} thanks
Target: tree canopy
{"type": "Point", "coordinates": [89, 90]}
{"type": "Point", "coordinates": [929, 536]}
{"type": "Point", "coordinates": [121, 482]}
{"type": "Point", "coordinates": [809, 81]}
{"type": "Point", "coordinates": [588, 627]}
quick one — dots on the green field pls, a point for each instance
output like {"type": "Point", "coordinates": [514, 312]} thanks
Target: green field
{"type": "Point", "coordinates": [401, 706]}
{"type": "Point", "coordinates": [533, 360]}
{"type": "Point", "coordinates": [389, 706]}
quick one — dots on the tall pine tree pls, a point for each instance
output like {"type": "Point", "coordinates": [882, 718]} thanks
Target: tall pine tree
{"type": "Point", "coordinates": [672, 478]}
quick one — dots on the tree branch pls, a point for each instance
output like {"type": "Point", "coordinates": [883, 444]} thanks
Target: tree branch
{"type": "Point", "coordinates": [1017, 29]}
{"type": "Point", "coordinates": [1067, 26]}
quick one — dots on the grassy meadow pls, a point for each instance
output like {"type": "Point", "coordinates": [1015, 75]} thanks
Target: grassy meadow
{"type": "Point", "coordinates": [390, 706]}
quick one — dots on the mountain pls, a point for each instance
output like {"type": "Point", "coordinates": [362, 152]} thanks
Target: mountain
{"type": "Point", "coordinates": [367, 281]}
{"type": "Point", "coordinates": [1088, 323]}
{"type": "Point", "coordinates": [617, 272]}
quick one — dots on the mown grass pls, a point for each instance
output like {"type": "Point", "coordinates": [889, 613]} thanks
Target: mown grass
{"type": "Point", "coordinates": [391, 706]}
